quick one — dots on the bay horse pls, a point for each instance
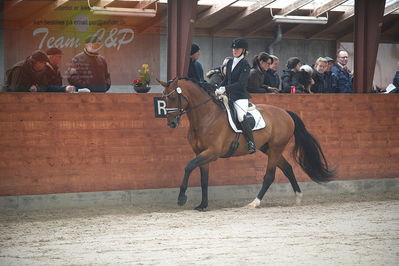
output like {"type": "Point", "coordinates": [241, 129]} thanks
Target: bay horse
{"type": "Point", "coordinates": [210, 136]}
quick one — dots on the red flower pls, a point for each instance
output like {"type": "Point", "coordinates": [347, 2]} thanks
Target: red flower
{"type": "Point", "coordinates": [136, 81]}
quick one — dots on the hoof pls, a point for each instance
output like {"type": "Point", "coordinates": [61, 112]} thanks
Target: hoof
{"type": "Point", "coordinates": [254, 204]}
{"type": "Point", "coordinates": [299, 197]}
{"type": "Point", "coordinates": [200, 208]}
{"type": "Point", "coordinates": [182, 200]}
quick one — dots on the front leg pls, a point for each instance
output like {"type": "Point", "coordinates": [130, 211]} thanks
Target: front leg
{"type": "Point", "coordinates": [203, 158]}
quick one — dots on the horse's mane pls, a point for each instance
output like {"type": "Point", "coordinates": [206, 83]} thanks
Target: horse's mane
{"type": "Point", "coordinates": [205, 88]}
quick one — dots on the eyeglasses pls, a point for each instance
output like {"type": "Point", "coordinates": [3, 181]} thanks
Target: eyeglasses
{"type": "Point", "coordinates": [343, 57]}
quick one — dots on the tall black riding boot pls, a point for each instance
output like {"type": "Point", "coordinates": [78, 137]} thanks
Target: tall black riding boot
{"type": "Point", "coordinates": [246, 129]}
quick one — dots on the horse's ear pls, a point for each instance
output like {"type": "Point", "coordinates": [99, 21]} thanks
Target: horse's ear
{"type": "Point", "coordinates": [162, 83]}
{"type": "Point", "coordinates": [174, 81]}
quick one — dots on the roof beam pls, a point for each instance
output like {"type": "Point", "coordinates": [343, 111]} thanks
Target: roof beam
{"type": "Point", "coordinates": [345, 16]}
{"type": "Point", "coordinates": [145, 4]}
{"type": "Point", "coordinates": [43, 11]}
{"type": "Point", "coordinates": [103, 3]}
{"type": "Point", "coordinates": [391, 8]}
{"type": "Point", "coordinates": [8, 5]}
{"type": "Point", "coordinates": [258, 5]}
{"type": "Point", "coordinates": [320, 11]}
{"type": "Point", "coordinates": [326, 7]}
{"type": "Point", "coordinates": [294, 6]}
{"type": "Point", "coordinates": [390, 25]}
{"type": "Point", "coordinates": [283, 12]}
{"type": "Point", "coordinates": [214, 9]}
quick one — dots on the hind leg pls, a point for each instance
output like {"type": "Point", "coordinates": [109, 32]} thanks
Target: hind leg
{"type": "Point", "coordinates": [286, 168]}
{"type": "Point", "coordinates": [269, 176]}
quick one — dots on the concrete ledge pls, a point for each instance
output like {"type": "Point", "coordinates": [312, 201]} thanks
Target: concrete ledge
{"type": "Point", "coordinates": [169, 196]}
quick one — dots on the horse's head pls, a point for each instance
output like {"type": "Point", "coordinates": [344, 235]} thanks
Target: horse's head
{"type": "Point", "coordinates": [176, 102]}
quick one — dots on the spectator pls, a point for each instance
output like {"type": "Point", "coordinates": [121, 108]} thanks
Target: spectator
{"type": "Point", "coordinates": [51, 77]}
{"type": "Point", "coordinates": [24, 75]}
{"type": "Point", "coordinates": [195, 70]}
{"type": "Point", "coordinates": [217, 74]}
{"type": "Point", "coordinates": [330, 78]}
{"type": "Point", "coordinates": [89, 69]}
{"type": "Point", "coordinates": [290, 77]}
{"type": "Point", "coordinates": [260, 64]}
{"type": "Point", "coordinates": [318, 76]}
{"type": "Point", "coordinates": [395, 81]}
{"type": "Point", "coordinates": [272, 78]}
{"type": "Point", "coordinates": [235, 85]}
{"type": "Point", "coordinates": [344, 76]}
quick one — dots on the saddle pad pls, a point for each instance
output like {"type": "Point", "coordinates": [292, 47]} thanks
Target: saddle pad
{"type": "Point", "coordinates": [259, 121]}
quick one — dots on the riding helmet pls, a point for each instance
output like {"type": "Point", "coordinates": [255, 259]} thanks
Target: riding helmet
{"type": "Point", "coordinates": [240, 43]}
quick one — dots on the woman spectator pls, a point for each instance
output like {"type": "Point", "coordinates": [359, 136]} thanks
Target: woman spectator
{"type": "Point", "coordinates": [260, 64]}
{"type": "Point", "coordinates": [318, 76]}
{"type": "Point", "coordinates": [289, 77]}
{"type": "Point", "coordinates": [272, 78]}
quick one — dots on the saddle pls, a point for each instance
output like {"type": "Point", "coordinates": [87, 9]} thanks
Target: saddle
{"type": "Point", "coordinates": [254, 117]}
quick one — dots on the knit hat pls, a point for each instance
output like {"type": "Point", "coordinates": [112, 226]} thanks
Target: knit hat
{"type": "Point", "coordinates": [93, 39]}
{"type": "Point", "coordinates": [194, 48]}
{"type": "Point", "coordinates": [39, 56]}
{"type": "Point", "coordinates": [293, 62]}
{"type": "Point", "coordinates": [53, 51]}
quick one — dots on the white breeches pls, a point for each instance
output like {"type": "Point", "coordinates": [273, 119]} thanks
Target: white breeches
{"type": "Point", "coordinates": [241, 107]}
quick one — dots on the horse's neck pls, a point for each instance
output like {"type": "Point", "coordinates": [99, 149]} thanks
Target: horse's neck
{"type": "Point", "coordinates": [203, 110]}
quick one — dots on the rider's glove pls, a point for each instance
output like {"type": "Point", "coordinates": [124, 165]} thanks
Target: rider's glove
{"type": "Point", "coordinates": [220, 91]}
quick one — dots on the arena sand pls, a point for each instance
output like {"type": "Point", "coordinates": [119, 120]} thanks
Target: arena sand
{"type": "Point", "coordinates": [334, 230]}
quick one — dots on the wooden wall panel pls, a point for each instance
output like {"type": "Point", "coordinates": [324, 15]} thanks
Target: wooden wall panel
{"type": "Point", "coordinates": [59, 143]}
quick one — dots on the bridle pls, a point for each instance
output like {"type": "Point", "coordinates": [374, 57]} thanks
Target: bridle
{"type": "Point", "coordinates": [179, 110]}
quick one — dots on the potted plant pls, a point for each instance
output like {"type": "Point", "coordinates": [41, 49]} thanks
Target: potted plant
{"type": "Point", "coordinates": [142, 83]}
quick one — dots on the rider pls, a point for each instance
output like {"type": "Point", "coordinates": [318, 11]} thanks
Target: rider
{"type": "Point", "coordinates": [235, 85]}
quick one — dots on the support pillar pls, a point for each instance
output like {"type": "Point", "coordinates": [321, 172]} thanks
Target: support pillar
{"type": "Point", "coordinates": [181, 19]}
{"type": "Point", "coordinates": [368, 21]}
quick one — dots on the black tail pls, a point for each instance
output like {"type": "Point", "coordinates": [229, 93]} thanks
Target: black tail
{"type": "Point", "coordinates": [308, 154]}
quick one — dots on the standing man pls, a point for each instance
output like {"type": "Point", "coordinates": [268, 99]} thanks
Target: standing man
{"type": "Point", "coordinates": [89, 69]}
{"type": "Point", "coordinates": [195, 70]}
{"type": "Point", "coordinates": [51, 76]}
{"type": "Point", "coordinates": [24, 76]}
{"type": "Point", "coordinates": [344, 75]}
{"type": "Point", "coordinates": [329, 77]}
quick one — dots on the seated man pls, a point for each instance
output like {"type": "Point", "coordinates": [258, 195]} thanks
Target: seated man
{"type": "Point", "coordinates": [51, 77]}
{"type": "Point", "coordinates": [88, 69]}
{"type": "Point", "coordinates": [24, 76]}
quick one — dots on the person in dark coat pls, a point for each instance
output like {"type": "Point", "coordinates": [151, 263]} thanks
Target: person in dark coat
{"type": "Point", "coordinates": [260, 64]}
{"type": "Point", "coordinates": [395, 81]}
{"type": "Point", "coordinates": [344, 75]}
{"type": "Point", "coordinates": [217, 74]}
{"type": "Point", "coordinates": [88, 69]}
{"type": "Point", "coordinates": [330, 78]}
{"type": "Point", "coordinates": [51, 76]}
{"type": "Point", "coordinates": [272, 79]}
{"type": "Point", "coordinates": [24, 75]}
{"type": "Point", "coordinates": [320, 67]}
{"type": "Point", "coordinates": [195, 70]}
{"type": "Point", "coordinates": [235, 86]}
{"type": "Point", "coordinates": [290, 77]}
